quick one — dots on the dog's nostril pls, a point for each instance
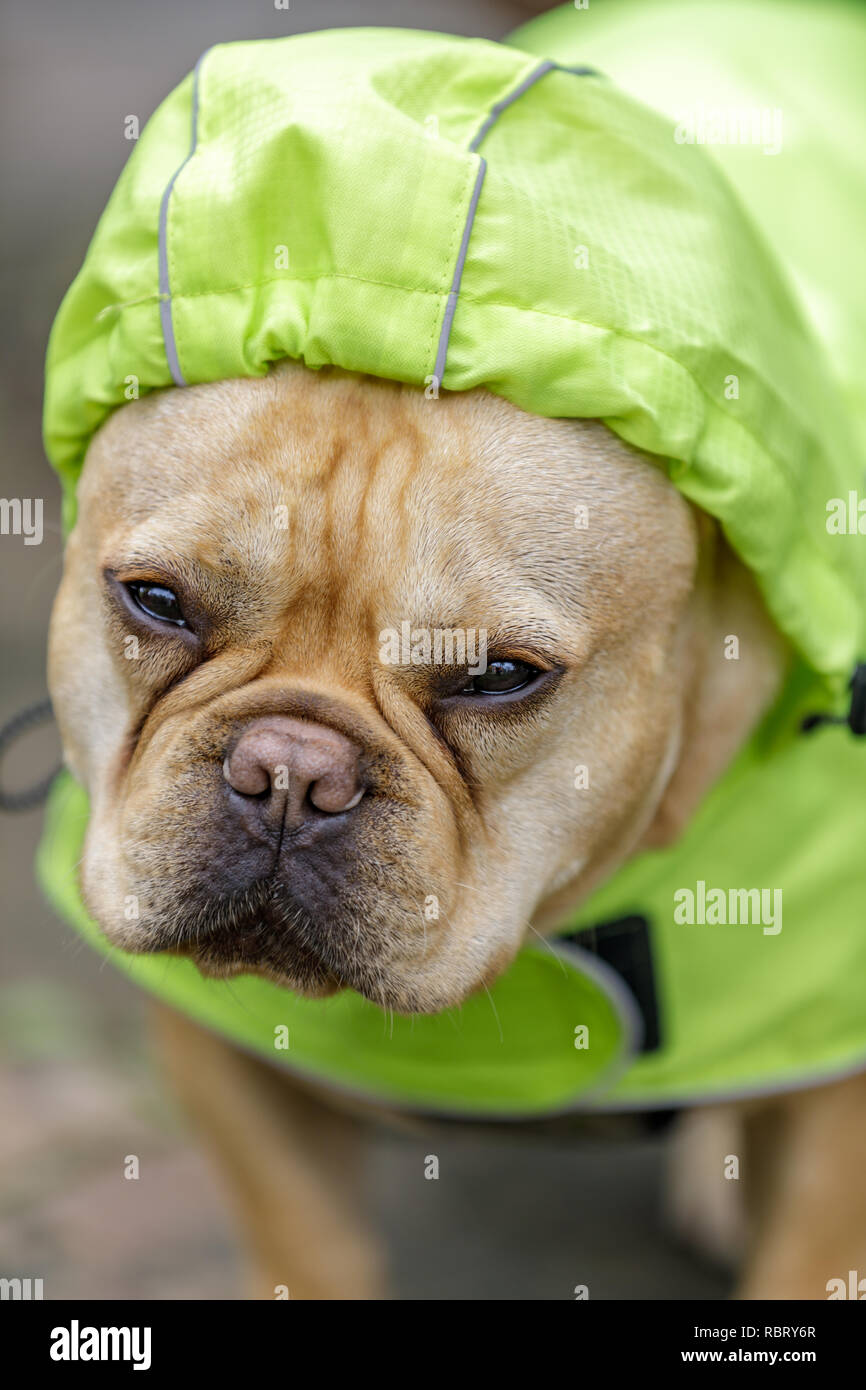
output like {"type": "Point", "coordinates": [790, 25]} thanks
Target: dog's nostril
{"type": "Point", "coordinates": [296, 767]}
{"type": "Point", "coordinates": [253, 783]}
{"type": "Point", "coordinates": [337, 792]}
{"type": "Point", "coordinates": [249, 777]}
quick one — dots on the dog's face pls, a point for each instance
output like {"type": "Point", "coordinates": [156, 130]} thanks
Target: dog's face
{"type": "Point", "coordinates": [285, 779]}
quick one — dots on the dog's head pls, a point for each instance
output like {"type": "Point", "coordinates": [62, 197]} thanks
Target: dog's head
{"type": "Point", "coordinates": [361, 683]}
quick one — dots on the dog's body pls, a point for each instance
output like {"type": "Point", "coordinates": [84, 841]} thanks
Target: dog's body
{"type": "Point", "coordinates": [290, 1158]}
{"type": "Point", "coordinates": [372, 477]}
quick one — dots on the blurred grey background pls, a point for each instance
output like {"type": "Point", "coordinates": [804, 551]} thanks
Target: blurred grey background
{"type": "Point", "coordinates": [511, 1217]}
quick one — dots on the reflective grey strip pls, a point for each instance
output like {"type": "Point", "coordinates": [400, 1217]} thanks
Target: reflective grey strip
{"type": "Point", "coordinates": [503, 105]}
{"type": "Point", "coordinates": [164, 285]}
{"type": "Point", "coordinates": [445, 331]}
{"type": "Point", "coordinates": [489, 121]}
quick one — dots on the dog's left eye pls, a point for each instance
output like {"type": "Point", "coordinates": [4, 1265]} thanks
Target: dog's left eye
{"type": "Point", "coordinates": [157, 602]}
{"type": "Point", "coordinates": [501, 678]}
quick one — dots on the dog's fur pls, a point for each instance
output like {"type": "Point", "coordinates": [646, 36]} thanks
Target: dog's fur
{"type": "Point", "coordinates": [297, 517]}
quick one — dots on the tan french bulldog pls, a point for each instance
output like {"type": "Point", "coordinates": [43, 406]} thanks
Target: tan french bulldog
{"type": "Point", "coordinates": [260, 646]}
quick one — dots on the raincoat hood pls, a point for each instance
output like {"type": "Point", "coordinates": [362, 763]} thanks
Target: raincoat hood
{"type": "Point", "coordinates": [549, 219]}
{"type": "Point", "coordinates": [453, 213]}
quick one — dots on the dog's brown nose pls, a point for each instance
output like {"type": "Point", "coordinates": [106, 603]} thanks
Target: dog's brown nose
{"type": "Point", "coordinates": [297, 767]}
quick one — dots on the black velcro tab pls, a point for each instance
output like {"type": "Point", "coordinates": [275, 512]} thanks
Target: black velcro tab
{"type": "Point", "coordinates": [626, 947]}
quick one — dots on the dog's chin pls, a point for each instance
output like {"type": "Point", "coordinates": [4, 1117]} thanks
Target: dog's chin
{"type": "Point", "coordinates": [307, 978]}
{"type": "Point", "coordinates": [259, 931]}
{"type": "Point", "coordinates": [262, 931]}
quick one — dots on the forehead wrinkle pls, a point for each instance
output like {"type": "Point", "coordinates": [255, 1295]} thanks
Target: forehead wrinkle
{"type": "Point", "coordinates": [392, 501]}
{"type": "Point", "coordinates": [521, 617]}
{"type": "Point", "coordinates": [461, 566]}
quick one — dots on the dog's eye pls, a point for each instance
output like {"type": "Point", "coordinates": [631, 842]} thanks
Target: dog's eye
{"type": "Point", "coordinates": [501, 678]}
{"type": "Point", "coordinates": [157, 602]}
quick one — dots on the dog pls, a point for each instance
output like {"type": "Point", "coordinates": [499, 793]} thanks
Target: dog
{"type": "Point", "coordinates": [485, 552]}
{"type": "Point", "coordinates": [412, 779]}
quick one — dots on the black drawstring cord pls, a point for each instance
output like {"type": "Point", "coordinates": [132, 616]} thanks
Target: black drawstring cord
{"type": "Point", "coordinates": [856, 716]}
{"type": "Point", "coordinates": [40, 713]}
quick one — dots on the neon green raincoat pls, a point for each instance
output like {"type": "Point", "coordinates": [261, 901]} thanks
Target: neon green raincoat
{"type": "Point", "coordinates": [562, 220]}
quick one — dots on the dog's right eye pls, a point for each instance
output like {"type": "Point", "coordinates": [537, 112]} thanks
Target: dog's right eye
{"type": "Point", "coordinates": [157, 602]}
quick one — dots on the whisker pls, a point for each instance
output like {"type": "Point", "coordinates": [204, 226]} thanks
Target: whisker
{"type": "Point", "coordinates": [495, 1014]}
